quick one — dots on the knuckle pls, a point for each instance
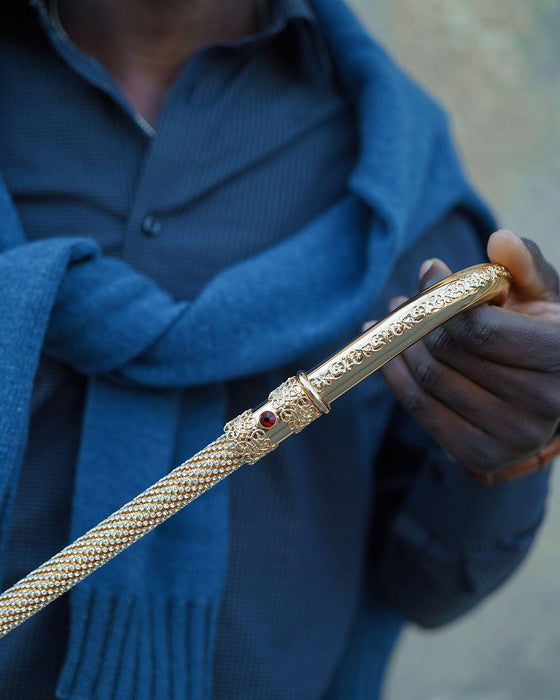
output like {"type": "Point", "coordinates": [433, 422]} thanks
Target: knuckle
{"type": "Point", "coordinates": [440, 343]}
{"type": "Point", "coordinates": [554, 367]}
{"type": "Point", "coordinates": [530, 436]}
{"type": "Point", "coordinates": [473, 329]}
{"type": "Point", "coordinates": [481, 456]}
{"type": "Point", "coordinates": [549, 401]}
{"type": "Point", "coordinates": [413, 402]}
{"type": "Point", "coordinates": [428, 374]}
{"type": "Point", "coordinates": [479, 332]}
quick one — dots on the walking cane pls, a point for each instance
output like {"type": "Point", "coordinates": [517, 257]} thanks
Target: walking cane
{"type": "Point", "coordinates": [251, 435]}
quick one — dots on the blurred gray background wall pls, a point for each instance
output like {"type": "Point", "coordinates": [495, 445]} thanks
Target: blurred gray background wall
{"type": "Point", "coordinates": [496, 66]}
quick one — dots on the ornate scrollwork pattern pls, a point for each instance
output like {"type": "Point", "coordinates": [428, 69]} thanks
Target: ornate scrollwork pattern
{"type": "Point", "coordinates": [292, 405]}
{"type": "Point", "coordinates": [250, 441]}
{"type": "Point", "coordinates": [429, 304]}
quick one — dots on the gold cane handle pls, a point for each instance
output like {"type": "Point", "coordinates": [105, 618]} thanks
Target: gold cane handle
{"type": "Point", "coordinates": [250, 436]}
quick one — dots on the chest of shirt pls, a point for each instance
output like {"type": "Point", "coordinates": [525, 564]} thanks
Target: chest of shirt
{"type": "Point", "coordinates": [245, 153]}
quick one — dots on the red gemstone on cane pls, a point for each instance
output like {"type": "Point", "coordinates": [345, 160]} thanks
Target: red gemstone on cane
{"type": "Point", "coordinates": [267, 419]}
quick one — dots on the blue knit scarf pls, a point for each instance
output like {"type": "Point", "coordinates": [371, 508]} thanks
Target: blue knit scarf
{"type": "Point", "coordinates": [156, 369]}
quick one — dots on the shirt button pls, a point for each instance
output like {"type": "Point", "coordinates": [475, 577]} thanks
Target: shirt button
{"type": "Point", "coordinates": [151, 225]}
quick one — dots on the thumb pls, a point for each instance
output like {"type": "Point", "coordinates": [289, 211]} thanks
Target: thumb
{"type": "Point", "coordinates": [533, 276]}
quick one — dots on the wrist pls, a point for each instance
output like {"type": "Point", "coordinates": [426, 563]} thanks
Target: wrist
{"type": "Point", "coordinates": [541, 460]}
{"type": "Point", "coordinates": [463, 511]}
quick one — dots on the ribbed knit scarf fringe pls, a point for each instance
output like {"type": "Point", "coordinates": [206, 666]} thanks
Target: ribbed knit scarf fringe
{"type": "Point", "coordinates": [143, 626]}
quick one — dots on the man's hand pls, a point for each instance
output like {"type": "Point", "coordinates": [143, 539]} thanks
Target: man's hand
{"type": "Point", "coordinates": [486, 385]}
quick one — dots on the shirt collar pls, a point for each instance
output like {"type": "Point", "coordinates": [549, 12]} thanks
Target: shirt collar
{"type": "Point", "coordinates": [275, 16]}
{"type": "Point", "coordinates": [278, 12]}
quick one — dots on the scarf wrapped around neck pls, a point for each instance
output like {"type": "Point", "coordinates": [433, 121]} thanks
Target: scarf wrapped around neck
{"type": "Point", "coordinates": [156, 369]}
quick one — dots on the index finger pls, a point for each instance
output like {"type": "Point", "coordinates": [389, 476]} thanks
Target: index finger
{"type": "Point", "coordinates": [507, 337]}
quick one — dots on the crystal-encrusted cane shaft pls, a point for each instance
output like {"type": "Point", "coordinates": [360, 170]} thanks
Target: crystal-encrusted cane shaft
{"type": "Point", "coordinates": [244, 440]}
{"type": "Point", "coordinates": [117, 532]}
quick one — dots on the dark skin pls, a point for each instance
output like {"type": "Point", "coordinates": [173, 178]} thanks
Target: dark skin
{"type": "Point", "coordinates": [144, 44]}
{"type": "Point", "coordinates": [486, 385]}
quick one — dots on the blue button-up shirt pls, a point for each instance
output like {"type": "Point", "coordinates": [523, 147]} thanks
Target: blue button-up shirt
{"type": "Point", "coordinates": [255, 139]}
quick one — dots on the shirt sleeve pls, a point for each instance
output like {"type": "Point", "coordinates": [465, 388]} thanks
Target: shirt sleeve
{"type": "Point", "coordinates": [442, 540]}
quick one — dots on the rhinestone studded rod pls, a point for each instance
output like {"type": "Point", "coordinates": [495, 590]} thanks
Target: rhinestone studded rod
{"type": "Point", "coordinates": [121, 529]}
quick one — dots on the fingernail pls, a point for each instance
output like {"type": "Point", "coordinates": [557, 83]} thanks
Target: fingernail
{"type": "Point", "coordinates": [509, 233]}
{"type": "Point", "coordinates": [425, 267]}
{"type": "Point", "coordinates": [368, 324]}
{"type": "Point", "coordinates": [396, 301]}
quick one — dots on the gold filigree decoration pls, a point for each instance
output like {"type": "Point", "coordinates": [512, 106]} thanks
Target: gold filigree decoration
{"type": "Point", "coordinates": [292, 405]}
{"type": "Point", "coordinates": [427, 305]}
{"type": "Point", "coordinates": [250, 441]}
